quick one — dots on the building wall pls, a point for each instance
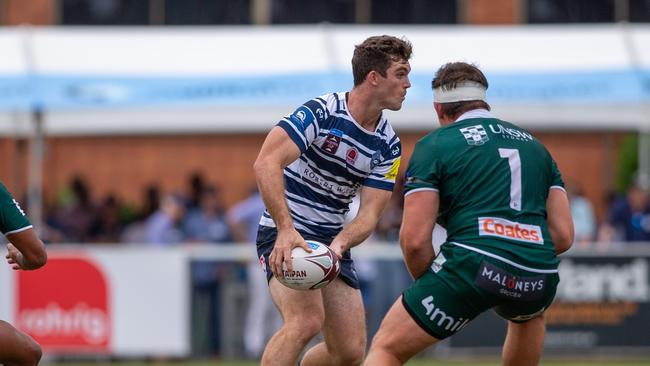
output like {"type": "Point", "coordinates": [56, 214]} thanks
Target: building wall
{"type": "Point", "coordinates": [587, 162]}
{"type": "Point", "coordinates": [125, 166]}
{"type": "Point", "coordinates": [34, 12]}
{"type": "Point", "coordinates": [493, 11]}
{"type": "Point", "coordinates": [13, 171]}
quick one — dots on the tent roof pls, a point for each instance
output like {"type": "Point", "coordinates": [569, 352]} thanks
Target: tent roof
{"type": "Point", "coordinates": [233, 79]}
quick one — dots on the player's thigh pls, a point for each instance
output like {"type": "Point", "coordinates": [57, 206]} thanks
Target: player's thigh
{"type": "Point", "coordinates": [16, 346]}
{"type": "Point", "coordinates": [345, 324]}
{"type": "Point", "coordinates": [445, 299]}
{"type": "Point", "coordinates": [297, 307]}
{"type": "Point", "coordinates": [400, 335]}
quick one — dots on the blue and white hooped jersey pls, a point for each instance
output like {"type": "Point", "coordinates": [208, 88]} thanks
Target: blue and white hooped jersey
{"type": "Point", "coordinates": [338, 157]}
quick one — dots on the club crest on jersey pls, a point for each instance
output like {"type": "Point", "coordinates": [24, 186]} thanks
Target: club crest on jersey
{"type": "Point", "coordinates": [475, 135]}
{"type": "Point", "coordinates": [376, 159]}
{"type": "Point", "coordinates": [332, 141]}
{"type": "Point", "coordinates": [351, 155]}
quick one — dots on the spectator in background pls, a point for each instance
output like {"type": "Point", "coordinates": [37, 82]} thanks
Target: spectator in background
{"type": "Point", "coordinates": [163, 228]}
{"type": "Point", "coordinates": [151, 201]}
{"type": "Point", "coordinates": [584, 219]}
{"type": "Point", "coordinates": [136, 231]}
{"type": "Point", "coordinates": [205, 223]}
{"type": "Point", "coordinates": [262, 317]}
{"type": "Point", "coordinates": [195, 187]}
{"type": "Point", "coordinates": [76, 214]}
{"type": "Point", "coordinates": [108, 226]}
{"type": "Point", "coordinates": [628, 218]}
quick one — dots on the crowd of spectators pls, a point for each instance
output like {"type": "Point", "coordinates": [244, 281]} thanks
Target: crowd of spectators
{"type": "Point", "coordinates": [198, 215]}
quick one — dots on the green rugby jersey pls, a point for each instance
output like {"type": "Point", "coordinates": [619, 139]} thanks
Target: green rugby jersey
{"type": "Point", "coordinates": [493, 179]}
{"type": "Point", "coordinates": [12, 217]}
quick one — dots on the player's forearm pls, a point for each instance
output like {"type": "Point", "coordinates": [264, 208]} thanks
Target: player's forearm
{"type": "Point", "coordinates": [356, 232]}
{"type": "Point", "coordinates": [32, 250]}
{"type": "Point", "coordinates": [562, 239]}
{"type": "Point", "coordinates": [270, 180]}
{"type": "Point", "coordinates": [418, 253]}
{"type": "Point", "coordinates": [33, 261]}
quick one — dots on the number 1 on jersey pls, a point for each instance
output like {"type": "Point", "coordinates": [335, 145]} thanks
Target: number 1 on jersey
{"type": "Point", "coordinates": [514, 162]}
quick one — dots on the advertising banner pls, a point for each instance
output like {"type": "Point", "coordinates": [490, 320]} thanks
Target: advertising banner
{"type": "Point", "coordinates": [126, 302]}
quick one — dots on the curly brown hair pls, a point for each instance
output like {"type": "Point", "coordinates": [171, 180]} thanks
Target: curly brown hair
{"type": "Point", "coordinates": [452, 73]}
{"type": "Point", "coordinates": [376, 54]}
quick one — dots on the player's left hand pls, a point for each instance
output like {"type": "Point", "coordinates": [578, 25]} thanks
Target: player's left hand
{"type": "Point", "coordinates": [14, 257]}
{"type": "Point", "coordinates": [338, 248]}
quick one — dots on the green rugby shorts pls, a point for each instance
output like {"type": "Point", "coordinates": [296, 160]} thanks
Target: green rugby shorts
{"type": "Point", "coordinates": [461, 284]}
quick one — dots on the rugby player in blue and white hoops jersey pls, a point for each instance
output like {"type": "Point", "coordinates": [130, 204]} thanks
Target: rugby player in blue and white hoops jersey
{"type": "Point", "coordinates": [311, 165]}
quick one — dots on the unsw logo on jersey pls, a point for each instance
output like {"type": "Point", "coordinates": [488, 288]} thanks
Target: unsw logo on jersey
{"type": "Point", "coordinates": [475, 135]}
{"type": "Point", "coordinates": [502, 228]}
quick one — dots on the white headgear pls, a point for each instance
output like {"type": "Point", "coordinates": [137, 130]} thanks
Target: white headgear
{"type": "Point", "coordinates": [464, 91]}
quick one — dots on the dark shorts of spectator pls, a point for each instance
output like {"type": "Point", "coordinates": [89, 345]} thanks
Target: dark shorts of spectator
{"type": "Point", "coordinates": [266, 241]}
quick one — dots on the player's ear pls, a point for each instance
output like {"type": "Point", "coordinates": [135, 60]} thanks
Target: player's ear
{"type": "Point", "coordinates": [373, 77]}
{"type": "Point", "coordinates": [438, 108]}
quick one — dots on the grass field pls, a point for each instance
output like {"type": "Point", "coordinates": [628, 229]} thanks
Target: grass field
{"type": "Point", "coordinates": [413, 363]}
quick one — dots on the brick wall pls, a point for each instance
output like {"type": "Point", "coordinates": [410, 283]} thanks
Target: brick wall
{"type": "Point", "coordinates": [127, 165]}
{"type": "Point", "coordinates": [34, 12]}
{"type": "Point", "coordinates": [492, 11]}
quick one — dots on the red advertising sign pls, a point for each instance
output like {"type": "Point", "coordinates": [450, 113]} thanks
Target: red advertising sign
{"type": "Point", "coordinates": [65, 305]}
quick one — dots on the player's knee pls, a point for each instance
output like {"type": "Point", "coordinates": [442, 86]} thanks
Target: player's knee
{"type": "Point", "coordinates": [380, 340]}
{"type": "Point", "coordinates": [312, 325]}
{"type": "Point", "coordinates": [351, 355]}
{"type": "Point", "coordinates": [306, 327]}
{"type": "Point", "coordinates": [384, 344]}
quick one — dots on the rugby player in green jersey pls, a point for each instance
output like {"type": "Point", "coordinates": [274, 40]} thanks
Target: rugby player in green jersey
{"type": "Point", "coordinates": [499, 194]}
{"type": "Point", "coordinates": [27, 252]}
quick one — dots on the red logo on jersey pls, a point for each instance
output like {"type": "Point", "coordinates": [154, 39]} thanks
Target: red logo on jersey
{"type": "Point", "coordinates": [64, 305]}
{"type": "Point", "coordinates": [331, 144]}
{"type": "Point", "coordinates": [494, 226]}
{"type": "Point", "coordinates": [351, 155]}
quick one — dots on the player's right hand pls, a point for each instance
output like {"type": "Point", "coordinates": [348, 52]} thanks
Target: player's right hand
{"type": "Point", "coordinates": [284, 243]}
{"type": "Point", "coordinates": [14, 257]}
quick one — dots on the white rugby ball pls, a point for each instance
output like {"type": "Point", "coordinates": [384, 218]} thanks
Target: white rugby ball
{"type": "Point", "coordinates": [311, 270]}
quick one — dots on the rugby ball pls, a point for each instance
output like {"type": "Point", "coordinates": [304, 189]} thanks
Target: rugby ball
{"type": "Point", "coordinates": [313, 270]}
